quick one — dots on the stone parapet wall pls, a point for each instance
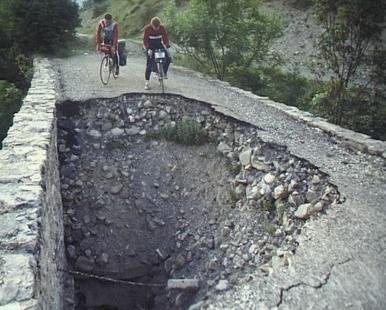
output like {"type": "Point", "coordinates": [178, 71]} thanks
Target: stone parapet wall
{"type": "Point", "coordinates": [31, 230]}
{"type": "Point", "coordinates": [353, 139]}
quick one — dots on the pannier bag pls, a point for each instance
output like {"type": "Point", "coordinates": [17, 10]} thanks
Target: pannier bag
{"type": "Point", "coordinates": [121, 46]}
{"type": "Point", "coordinates": [123, 59]}
{"type": "Point", "coordinates": [122, 52]}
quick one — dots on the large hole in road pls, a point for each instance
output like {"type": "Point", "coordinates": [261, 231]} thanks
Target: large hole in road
{"type": "Point", "coordinates": [167, 202]}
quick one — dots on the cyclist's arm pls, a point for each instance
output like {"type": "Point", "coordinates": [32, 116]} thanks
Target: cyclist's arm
{"type": "Point", "coordinates": [98, 36]}
{"type": "Point", "coordinates": [116, 36]}
{"type": "Point", "coordinates": [165, 38]}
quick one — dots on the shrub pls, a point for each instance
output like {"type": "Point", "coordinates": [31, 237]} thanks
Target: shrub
{"type": "Point", "coordinates": [42, 26]}
{"type": "Point", "coordinates": [15, 67]}
{"type": "Point", "coordinates": [186, 132]}
{"type": "Point", "coordinates": [269, 228]}
{"type": "Point", "coordinates": [233, 197]}
{"type": "Point", "coordinates": [232, 166]}
{"type": "Point", "coordinates": [10, 102]}
{"type": "Point", "coordinates": [222, 33]}
{"type": "Point", "coordinates": [364, 109]}
{"type": "Point", "coordinates": [287, 87]}
{"type": "Point", "coordinates": [352, 28]}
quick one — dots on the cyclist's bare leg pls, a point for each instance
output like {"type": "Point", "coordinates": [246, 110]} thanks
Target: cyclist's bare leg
{"type": "Point", "coordinates": [115, 62]}
{"type": "Point", "coordinates": [150, 61]}
{"type": "Point", "coordinates": [167, 62]}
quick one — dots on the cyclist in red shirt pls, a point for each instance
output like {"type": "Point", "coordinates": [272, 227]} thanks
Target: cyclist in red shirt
{"type": "Point", "coordinates": [155, 37]}
{"type": "Point", "coordinates": [107, 32]}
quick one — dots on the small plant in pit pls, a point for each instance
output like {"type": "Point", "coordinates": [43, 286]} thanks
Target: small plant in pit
{"type": "Point", "coordinates": [269, 228]}
{"type": "Point", "coordinates": [233, 197]}
{"type": "Point", "coordinates": [280, 208]}
{"type": "Point", "coordinates": [232, 166]}
{"type": "Point", "coordinates": [267, 203]}
{"type": "Point", "coordinates": [187, 132]}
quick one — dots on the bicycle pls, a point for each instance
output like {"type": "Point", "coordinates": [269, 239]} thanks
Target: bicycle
{"type": "Point", "coordinates": [107, 64]}
{"type": "Point", "coordinates": [159, 56]}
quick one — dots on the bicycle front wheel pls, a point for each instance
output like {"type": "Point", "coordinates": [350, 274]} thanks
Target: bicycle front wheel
{"type": "Point", "coordinates": [105, 70]}
{"type": "Point", "coordinates": [161, 76]}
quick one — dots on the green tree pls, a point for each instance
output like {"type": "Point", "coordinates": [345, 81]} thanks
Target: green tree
{"type": "Point", "coordinates": [29, 26]}
{"type": "Point", "coordinates": [221, 33]}
{"type": "Point", "coordinates": [352, 30]}
{"type": "Point", "coordinates": [43, 25]}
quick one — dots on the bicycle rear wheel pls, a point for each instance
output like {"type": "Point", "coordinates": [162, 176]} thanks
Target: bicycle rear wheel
{"type": "Point", "coordinates": [161, 76]}
{"type": "Point", "coordinates": [105, 70]}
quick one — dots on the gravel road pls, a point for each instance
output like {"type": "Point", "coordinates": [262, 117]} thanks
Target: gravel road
{"type": "Point", "coordinates": [341, 259]}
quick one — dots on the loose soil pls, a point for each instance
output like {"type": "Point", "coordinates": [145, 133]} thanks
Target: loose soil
{"type": "Point", "coordinates": [144, 211]}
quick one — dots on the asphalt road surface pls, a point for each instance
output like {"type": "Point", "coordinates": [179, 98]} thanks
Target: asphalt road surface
{"type": "Point", "coordinates": [341, 259]}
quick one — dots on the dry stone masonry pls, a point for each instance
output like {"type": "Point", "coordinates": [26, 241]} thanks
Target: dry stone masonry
{"type": "Point", "coordinates": [31, 229]}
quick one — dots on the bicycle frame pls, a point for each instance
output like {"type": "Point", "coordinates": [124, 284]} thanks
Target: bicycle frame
{"type": "Point", "coordinates": [107, 64]}
{"type": "Point", "coordinates": [159, 57]}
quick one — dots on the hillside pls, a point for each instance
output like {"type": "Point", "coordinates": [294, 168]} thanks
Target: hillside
{"type": "Point", "coordinates": [292, 83]}
{"type": "Point", "coordinates": [296, 43]}
{"type": "Point", "coordinates": [131, 14]}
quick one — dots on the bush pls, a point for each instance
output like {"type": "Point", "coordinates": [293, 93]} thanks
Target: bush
{"type": "Point", "coordinates": [15, 67]}
{"type": "Point", "coordinates": [42, 26]}
{"type": "Point", "coordinates": [269, 228]}
{"type": "Point", "coordinates": [364, 110]}
{"type": "Point", "coordinates": [223, 33]}
{"type": "Point", "coordinates": [287, 87]}
{"type": "Point", "coordinates": [352, 28]}
{"type": "Point", "coordinates": [232, 166]}
{"type": "Point", "coordinates": [187, 132]}
{"type": "Point", "coordinates": [10, 102]}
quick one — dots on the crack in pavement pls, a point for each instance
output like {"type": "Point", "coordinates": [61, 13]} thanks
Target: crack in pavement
{"type": "Point", "coordinates": [361, 191]}
{"type": "Point", "coordinates": [318, 286]}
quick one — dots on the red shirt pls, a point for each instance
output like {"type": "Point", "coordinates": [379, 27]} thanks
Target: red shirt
{"type": "Point", "coordinates": [114, 26]}
{"type": "Point", "coordinates": [154, 38]}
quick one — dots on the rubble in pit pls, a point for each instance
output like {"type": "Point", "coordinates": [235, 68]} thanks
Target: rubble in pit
{"type": "Point", "coordinates": [151, 210]}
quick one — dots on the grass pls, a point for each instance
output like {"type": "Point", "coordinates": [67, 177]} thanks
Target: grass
{"type": "Point", "coordinates": [280, 208]}
{"type": "Point", "coordinates": [186, 132]}
{"type": "Point", "coordinates": [267, 203]}
{"type": "Point", "coordinates": [233, 167]}
{"type": "Point", "coordinates": [269, 228]}
{"type": "Point", "coordinates": [233, 197]}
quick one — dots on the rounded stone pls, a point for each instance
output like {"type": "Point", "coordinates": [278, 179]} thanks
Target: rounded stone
{"type": "Point", "coordinates": [222, 285]}
{"type": "Point", "coordinates": [269, 178]}
{"type": "Point", "coordinates": [85, 264]}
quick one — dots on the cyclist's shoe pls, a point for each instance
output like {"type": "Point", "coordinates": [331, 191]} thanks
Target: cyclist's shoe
{"type": "Point", "coordinates": [116, 70]}
{"type": "Point", "coordinates": [147, 86]}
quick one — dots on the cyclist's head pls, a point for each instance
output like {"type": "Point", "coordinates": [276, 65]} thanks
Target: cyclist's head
{"type": "Point", "coordinates": [108, 18]}
{"type": "Point", "coordinates": [155, 22]}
